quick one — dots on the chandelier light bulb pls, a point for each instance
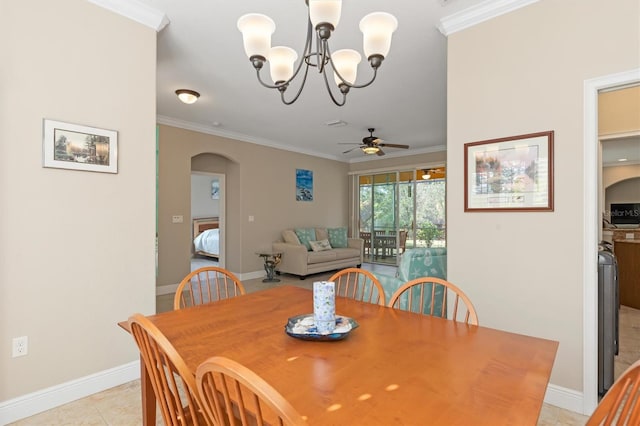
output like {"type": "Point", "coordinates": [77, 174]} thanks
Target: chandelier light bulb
{"type": "Point", "coordinates": [346, 63]}
{"type": "Point", "coordinates": [281, 60]}
{"type": "Point", "coordinates": [256, 34]}
{"type": "Point", "coordinates": [377, 29]}
{"type": "Point", "coordinates": [325, 12]}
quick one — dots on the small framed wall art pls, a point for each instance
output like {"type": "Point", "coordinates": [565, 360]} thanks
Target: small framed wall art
{"type": "Point", "coordinates": [509, 174]}
{"type": "Point", "coordinates": [304, 185]}
{"type": "Point", "coordinates": [76, 147]}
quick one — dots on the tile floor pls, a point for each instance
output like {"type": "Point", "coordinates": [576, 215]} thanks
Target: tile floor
{"type": "Point", "coordinates": [121, 405]}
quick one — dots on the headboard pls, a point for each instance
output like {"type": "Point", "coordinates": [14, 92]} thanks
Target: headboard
{"type": "Point", "coordinates": [202, 224]}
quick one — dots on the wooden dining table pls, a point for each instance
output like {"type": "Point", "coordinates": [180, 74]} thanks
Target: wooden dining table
{"type": "Point", "coordinates": [394, 368]}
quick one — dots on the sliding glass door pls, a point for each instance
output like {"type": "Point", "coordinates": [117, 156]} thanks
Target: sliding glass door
{"type": "Point", "coordinates": [400, 210]}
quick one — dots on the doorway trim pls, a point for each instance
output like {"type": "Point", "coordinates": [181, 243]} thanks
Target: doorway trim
{"type": "Point", "coordinates": [592, 226]}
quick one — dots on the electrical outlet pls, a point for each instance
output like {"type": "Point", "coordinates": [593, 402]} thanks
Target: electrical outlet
{"type": "Point", "coordinates": [20, 346]}
{"type": "Point", "coordinates": [177, 219]}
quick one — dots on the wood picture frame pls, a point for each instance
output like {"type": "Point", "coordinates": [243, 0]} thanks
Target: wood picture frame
{"type": "Point", "coordinates": [512, 174]}
{"type": "Point", "coordinates": [77, 147]}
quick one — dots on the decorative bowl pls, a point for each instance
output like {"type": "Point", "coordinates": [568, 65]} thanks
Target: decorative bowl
{"type": "Point", "coordinates": [303, 327]}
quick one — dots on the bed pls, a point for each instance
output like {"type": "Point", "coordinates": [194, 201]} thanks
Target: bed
{"type": "Point", "coordinates": [206, 236]}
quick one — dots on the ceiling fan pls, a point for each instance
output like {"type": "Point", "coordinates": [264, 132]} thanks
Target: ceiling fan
{"type": "Point", "coordinates": [372, 144]}
{"type": "Point", "coordinates": [429, 173]}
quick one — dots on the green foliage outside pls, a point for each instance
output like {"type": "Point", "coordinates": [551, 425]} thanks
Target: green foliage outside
{"type": "Point", "coordinates": [377, 208]}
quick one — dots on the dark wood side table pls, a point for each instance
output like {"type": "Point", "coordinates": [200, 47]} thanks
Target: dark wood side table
{"type": "Point", "coordinates": [271, 260]}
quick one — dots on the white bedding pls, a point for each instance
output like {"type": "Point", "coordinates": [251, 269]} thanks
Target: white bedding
{"type": "Point", "coordinates": [208, 242]}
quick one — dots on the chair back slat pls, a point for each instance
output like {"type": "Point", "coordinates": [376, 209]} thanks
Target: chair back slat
{"type": "Point", "coordinates": [173, 384]}
{"type": "Point", "coordinates": [358, 284]}
{"type": "Point", "coordinates": [205, 285]}
{"type": "Point", "coordinates": [621, 404]}
{"type": "Point", "coordinates": [432, 296]}
{"type": "Point", "coordinates": [234, 395]}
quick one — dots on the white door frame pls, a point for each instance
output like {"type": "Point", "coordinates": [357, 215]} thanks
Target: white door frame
{"type": "Point", "coordinates": [592, 224]}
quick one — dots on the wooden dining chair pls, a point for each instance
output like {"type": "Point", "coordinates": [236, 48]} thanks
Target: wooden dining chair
{"type": "Point", "coordinates": [232, 394]}
{"type": "Point", "coordinates": [621, 404]}
{"type": "Point", "coordinates": [358, 284]}
{"type": "Point", "coordinates": [173, 383]}
{"type": "Point", "coordinates": [436, 297]}
{"type": "Point", "coordinates": [205, 285]}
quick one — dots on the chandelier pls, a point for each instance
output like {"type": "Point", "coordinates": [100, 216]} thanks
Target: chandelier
{"type": "Point", "coordinates": [323, 19]}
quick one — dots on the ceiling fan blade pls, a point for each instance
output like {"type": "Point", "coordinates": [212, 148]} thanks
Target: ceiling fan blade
{"type": "Point", "coordinates": [349, 150]}
{"type": "Point", "coordinates": [349, 143]}
{"type": "Point", "coordinates": [380, 152]}
{"type": "Point", "coordinates": [394, 145]}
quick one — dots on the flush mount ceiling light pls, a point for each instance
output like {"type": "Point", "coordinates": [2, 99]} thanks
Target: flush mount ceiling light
{"type": "Point", "coordinates": [323, 18]}
{"type": "Point", "coordinates": [187, 96]}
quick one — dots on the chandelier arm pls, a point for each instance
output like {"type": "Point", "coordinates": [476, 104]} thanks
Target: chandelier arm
{"type": "Point", "coordinates": [305, 53]}
{"type": "Point", "coordinates": [304, 80]}
{"type": "Point", "coordinates": [267, 85]}
{"type": "Point", "coordinates": [344, 94]}
{"type": "Point", "coordinates": [323, 52]}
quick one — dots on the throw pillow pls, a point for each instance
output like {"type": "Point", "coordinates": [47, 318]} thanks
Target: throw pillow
{"type": "Point", "coordinates": [321, 234]}
{"type": "Point", "coordinates": [290, 237]}
{"type": "Point", "coordinates": [338, 237]}
{"type": "Point", "coordinates": [321, 245]}
{"type": "Point", "coordinates": [305, 235]}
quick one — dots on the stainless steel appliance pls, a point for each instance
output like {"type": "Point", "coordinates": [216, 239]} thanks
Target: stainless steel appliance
{"type": "Point", "coordinates": [608, 316]}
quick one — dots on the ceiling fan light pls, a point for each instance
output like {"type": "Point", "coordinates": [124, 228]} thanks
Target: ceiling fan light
{"type": "Point", "coordinates": [370, 149]}
{"type": "Point", "coordinates": [187, 96]}
{"type": "Point", "coordinates": [281, 60]}
{"type": "Point", "coordinates": [426, 176]}
{"type": "Point", "coordinates": [325, 12]}
{"type": "Point", "coordinates": [256, 34]}
{"type": "Point", "coordinates": [377, 29]}
{"type": "Point", "coordinates": [346, 63]}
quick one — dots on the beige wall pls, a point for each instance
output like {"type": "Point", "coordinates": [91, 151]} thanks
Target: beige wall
{"type": "Point", "coordinates": [260, 182]}
{"type": "Point", "coordinates": [612, 175]}
{"type": "Point", "coordinates": [619, 110]}
{"type": "Point", "coordinates": [77, 248]}
{"type": "Point", "coordinates": [519, 73]}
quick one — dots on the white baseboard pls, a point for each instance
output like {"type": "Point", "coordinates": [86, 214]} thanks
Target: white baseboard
{"type": "Point", "coordinates": [46, 399]}
{"type": "Point", "coordinates": [251, 275]}
{"type": "Point", "coordinates": [568, 399]}
{"type": "Point", "coordinates": [171, 288]}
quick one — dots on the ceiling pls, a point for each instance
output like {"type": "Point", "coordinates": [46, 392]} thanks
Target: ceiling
{"type": "Point", "coordinates": [201, 49]}
{"type": "Point", "coordinates": [616, 149]}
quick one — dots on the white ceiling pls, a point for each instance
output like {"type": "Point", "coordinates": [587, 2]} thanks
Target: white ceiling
{"type": "Point", "coordinates": [616, 149]}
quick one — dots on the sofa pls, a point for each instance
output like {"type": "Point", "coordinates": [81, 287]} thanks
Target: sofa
{"type": "Point", "coordinates": [415, 263]}
{"type": "Point", "coordinates": [308, 251]}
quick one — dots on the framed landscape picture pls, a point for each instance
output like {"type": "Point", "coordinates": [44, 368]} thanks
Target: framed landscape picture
{"type": "Point", "coordinates": [509, 174]}
{"type": "Point", "coordinates": [77, 147]}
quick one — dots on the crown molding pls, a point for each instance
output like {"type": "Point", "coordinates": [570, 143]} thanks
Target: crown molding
{"type": "Point", "coordinates": [216, 131]}
{"type": "Point", "coordinates": [136, 11]}
{"type": "Point", "coordinates": [479, 13]}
